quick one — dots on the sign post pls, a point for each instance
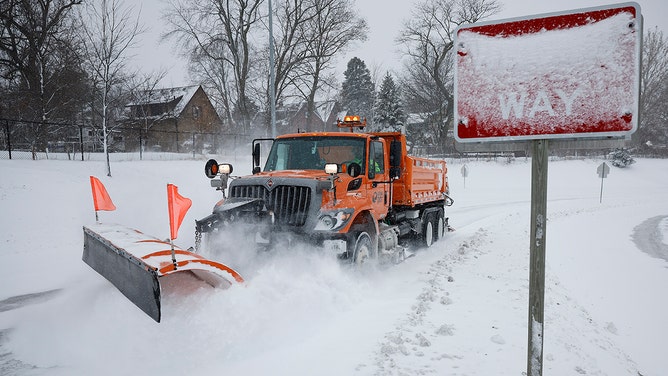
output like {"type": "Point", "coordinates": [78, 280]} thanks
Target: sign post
{"type": "Point", "coordinates": [539, 161]}
{"type": "Point", "coordinates": [465, 173]}
{"type": "Point", "coordinates": [567, 79]}
{"type": "Point", "coordinates": [603, 170]}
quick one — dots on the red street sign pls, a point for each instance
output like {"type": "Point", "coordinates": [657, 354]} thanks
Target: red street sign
{"type": "Point", "coordinates": [558, 75]}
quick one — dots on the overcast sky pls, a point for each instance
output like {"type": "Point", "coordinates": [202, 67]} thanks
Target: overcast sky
{"type": "Point", "coordinates": [385, 18]}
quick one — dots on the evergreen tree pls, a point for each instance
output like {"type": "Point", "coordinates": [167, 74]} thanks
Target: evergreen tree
{"type": "Point", "coordinates": [358, 92]}
{"type": "Point", "coordinates": [389, 115]}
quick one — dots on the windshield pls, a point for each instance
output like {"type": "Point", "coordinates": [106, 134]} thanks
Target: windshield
{"type": "Point", "coordinates": [312, 153]}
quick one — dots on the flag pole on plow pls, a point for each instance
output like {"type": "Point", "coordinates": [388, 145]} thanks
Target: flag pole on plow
{"type": "Point", "coordinates": [101, 199]}
{"type": "Point", "coordinates": [178, 207]}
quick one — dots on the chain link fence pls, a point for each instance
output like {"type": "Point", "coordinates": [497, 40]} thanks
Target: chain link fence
{"type": "Point", "coordinates": [42, 140]}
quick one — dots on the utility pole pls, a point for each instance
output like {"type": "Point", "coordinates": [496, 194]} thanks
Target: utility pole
{"type": "Point", "coordinates": [9, 138]}
{"type": "Point", "coordinates": [272, 78]}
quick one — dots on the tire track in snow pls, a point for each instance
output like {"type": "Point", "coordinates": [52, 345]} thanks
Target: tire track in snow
{"type": "Point", "coordinates": [9, 365]}
{"type": "Point", "coordinates": [414, 335]}
{"type": "Point", "coordinates": [424, 341]}
{"type": "Point", "coordinates": [647, 236]}
{"type": "Point", "coordinates": [19, 301]}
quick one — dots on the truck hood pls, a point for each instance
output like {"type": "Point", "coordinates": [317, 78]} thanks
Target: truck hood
{"type": "Point", "coordinates": [322, 179]}
{"type": "Point", "coordinates": [306, 174]}
{"type": "Point", "coordinates": [318, 182]}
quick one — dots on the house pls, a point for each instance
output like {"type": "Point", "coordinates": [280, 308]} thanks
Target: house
{"type": "Point", "coordinates": [178, 119]}
{"type": "Point", "coordinates": [291, 118]}
{"type": "Point", "coordinates": [324, 117]}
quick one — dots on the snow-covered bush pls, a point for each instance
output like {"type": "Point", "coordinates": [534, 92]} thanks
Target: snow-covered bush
{"type": "Point", "coordinates": [621, 158]}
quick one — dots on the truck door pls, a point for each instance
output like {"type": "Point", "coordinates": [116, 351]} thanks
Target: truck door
{"type": "Point", "coordinates": [377, 189]}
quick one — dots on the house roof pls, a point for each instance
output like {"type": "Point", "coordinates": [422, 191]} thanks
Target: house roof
{"type": "Point", "coordinates": [183, 94]}
{"type": "Point", "coordinates": [324, 109]}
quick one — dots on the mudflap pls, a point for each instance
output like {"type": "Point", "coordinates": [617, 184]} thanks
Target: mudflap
{"type": "Point", "coordinates": [134, 263]}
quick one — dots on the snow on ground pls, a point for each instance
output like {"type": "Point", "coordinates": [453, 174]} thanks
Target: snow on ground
{"type": "Point", "coordinates": [457, 308]}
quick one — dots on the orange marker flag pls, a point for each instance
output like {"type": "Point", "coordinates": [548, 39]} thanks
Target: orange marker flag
{"type": "Point", "coordinates": [178, 207]}
{"type": "Point", "coordinates": [101, 199]}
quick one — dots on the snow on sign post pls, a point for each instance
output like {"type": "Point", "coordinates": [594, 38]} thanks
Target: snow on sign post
{"type": "Point", "coordinates": [568, 75]}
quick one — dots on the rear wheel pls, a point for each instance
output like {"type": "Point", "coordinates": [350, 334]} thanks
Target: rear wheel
{"type": "Point", "coordinates": [440, 225]}
{"type": "Point", "coordinates": [428, 231]}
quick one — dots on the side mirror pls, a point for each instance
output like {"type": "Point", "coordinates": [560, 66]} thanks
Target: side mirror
{"type": "Point", "coordinates": [256, 155]}
{"type": "Point", "coordinates": [354, 169]}
{"type": "Point", "coordinates": [395, 154]}
{"type": "Point", "coordinates": [395, 172]}
{"type": "Point", "coordinates": [395, 159]}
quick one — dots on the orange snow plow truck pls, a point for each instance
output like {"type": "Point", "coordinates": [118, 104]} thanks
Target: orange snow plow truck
{"type": "Point", "coordinates": [359, 194]}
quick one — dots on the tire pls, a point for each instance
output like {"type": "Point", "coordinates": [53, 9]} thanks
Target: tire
{"type": "Point", "coordinates": [440, 226]}
{"type": "Point", "coordinates": [362, 252]}
{"type": "Point", "coordinates": [428, 231]}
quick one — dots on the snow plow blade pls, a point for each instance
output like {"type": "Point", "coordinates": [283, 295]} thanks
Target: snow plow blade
{"type": "Point", "coordinates": [135, 262]}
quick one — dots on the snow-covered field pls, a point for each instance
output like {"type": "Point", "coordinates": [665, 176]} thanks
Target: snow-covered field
{"type": "Point", "coordinates": [457, 308]}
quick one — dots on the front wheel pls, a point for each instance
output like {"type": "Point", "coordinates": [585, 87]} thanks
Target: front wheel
{"type": "Point", "coordinates": [362, 252]}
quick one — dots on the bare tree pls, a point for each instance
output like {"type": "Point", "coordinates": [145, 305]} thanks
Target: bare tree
{"type": "Point", "coordinates": [217, 36]}
{"type": "Point", "coordinates": [38, 62]}
{"type": "Point", "coordinates": [427, 39]}
{"type": "Point", "coordinates": [290, 43]}
{"type": "Point", "coordinates": [111, 29]}
{"type": "Point", "coordinates": [335, 27]}
{"type": "Point", "coordinates": [652, 130]}
{"type": "Point", "coordinates": [310, 34]}
{"type": "Point", "coordinates": [216, 76]}
{"type": "Point", "coordinates": [220, 31]}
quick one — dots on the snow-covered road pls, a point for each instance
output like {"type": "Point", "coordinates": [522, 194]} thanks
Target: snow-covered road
{"type": "Point", "coordinates": [457, 308]}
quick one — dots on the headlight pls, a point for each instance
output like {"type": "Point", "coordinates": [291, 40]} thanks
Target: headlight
{"type": "Point", "coordinates": [331, 168]}
{"type": "Point", "coordinates": [333, 220]}
{"type": "Point", "coordinates": [328, 221]}
{"type": "Point", "coordinates": [226, 168]}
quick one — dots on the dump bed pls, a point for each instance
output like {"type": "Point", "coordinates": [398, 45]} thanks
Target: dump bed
{"type": "Point", "coordinates": [422, 180]}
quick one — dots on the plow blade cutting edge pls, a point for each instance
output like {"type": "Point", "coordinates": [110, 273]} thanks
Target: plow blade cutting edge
{"type": "Point", "coordinates": [135, 262]}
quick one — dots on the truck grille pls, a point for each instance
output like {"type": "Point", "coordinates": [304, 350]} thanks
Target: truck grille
{"type": "Point", "coordinates": [290, 204]}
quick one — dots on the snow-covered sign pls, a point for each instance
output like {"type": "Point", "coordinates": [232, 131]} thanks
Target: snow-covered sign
{"type": "Point", "coordinates": [603, 170]}
{"type": "Point", "coordinates": [559, 75]}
